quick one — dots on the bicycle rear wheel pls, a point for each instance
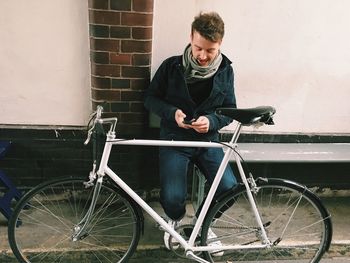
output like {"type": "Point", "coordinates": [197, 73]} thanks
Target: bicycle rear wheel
{"type": "Point", "coordinates": [48, 214]}
{"type": "Point", "coordinates": [295, 220]}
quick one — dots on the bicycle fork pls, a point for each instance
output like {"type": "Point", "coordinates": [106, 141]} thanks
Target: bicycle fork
{"type": "Point", "coordinates": [79, 231]}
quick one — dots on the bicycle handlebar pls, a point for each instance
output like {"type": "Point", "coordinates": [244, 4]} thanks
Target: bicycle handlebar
{"type": "Point", "coordinates": [96, 118]}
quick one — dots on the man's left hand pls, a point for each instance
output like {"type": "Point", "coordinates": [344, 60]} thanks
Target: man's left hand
{"type": "Point", "coordinates": [201, 125]}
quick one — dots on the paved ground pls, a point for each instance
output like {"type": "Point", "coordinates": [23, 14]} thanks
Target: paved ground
{"type": "Point", "coordinates": [151, 249]}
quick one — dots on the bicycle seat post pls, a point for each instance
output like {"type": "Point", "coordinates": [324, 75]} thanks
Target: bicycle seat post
{"type": "Point", "coordinates": [236, 134]}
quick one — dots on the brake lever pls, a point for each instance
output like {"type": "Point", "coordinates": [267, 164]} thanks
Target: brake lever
{"type": "Point", "coordinates": [89, 136]}
{"type": "Point", "coordinates": [94, 116]}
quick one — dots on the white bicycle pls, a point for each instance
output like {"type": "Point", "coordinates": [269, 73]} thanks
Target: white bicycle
{"type": "Point", "coordinates": [100, 219]}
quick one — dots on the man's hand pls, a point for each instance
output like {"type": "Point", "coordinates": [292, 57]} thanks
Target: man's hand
{"type": "Point", "coordinates": [179, 118]}
{"type": "Point", "coordinates": [201, 125]}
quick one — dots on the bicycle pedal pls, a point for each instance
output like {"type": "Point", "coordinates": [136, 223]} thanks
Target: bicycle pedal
{"type": "Point", "coordinates": [173, 244]}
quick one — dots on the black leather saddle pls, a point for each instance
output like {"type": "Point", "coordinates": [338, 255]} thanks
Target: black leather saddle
{"type": "Point", "coordinates": [249, 116]}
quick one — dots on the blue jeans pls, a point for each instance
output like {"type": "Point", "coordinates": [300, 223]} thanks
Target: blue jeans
{"type": "Point", "coordinates": [173, 166]}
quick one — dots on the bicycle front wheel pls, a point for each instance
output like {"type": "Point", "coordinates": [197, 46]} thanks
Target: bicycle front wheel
{"type": "Point", "coordinates": [44, 220]}
{"type": "Point", "coordinates": [297, 225]}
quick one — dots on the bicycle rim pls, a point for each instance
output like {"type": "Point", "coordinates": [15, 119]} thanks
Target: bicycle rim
{"type": "Point", "coordinates": [48, 214]}
{"type": "Point", "coordinates": [296, 224]}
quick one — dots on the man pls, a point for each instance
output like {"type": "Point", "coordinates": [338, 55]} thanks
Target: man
{"type": "Point", "coordinates": [184, 92]}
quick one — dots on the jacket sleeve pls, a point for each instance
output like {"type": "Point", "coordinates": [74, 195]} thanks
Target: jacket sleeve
{"type": "Point", "coordinates": [155, 95]}
{"type": "Point", "coordinates": [218, 121]}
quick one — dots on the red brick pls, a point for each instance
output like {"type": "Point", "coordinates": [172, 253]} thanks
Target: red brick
{"type": "Point", "coordinates": [140, 84]}
{"type": "Point", "coordinates": [120, 32]}
{"type": "Point", "coordinates": [105, 70]}
{"type": "Point", "coordinates": [130, 46]}
{"type": "Point", "coordinates": [120, 83]}
{"type": "Point", "coordinates": [131, 95]}
{"type": "Point", "coordinates": [99, 31]}
{"type": "Point", "coordinates": [99, 57]}
{"type": "Point", "coordinates": [98, 4]}
{"type": "Point", "coordinates": [141, 59]}
{"type": "Point", "coordinates": [121, 59]}
{"type": "Point", "coordinates": [136, 19]}
{"type": "Point", "coordinates": [142, 33]}
{"type": "Point", "coordinates": [122, 5]}
{"type": "Point", "coordinates": [104, 17]}
{"type": "Point", "coordinates": [142, 5]}
{"type": "Point", "coordinates": [135, 72]}
{"type": "Point", "coordinates": [105, 95]}
{"type": "Point", "coordinates": [104, 44]}
{"type": "Point", "coordinates": [100, 82]}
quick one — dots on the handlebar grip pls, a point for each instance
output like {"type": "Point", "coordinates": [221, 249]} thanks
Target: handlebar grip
{"type": "Point", "coordinates": [95, 117]}
{"type": "Point", "coordinates": [88, 138]}
{"type": "Point", "coordinates": [99, 111]}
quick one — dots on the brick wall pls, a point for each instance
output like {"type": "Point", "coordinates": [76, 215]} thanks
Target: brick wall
{"type": "Point", "coordinates": [121, 44]}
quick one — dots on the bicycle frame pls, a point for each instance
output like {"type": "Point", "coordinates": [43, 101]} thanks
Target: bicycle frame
{"type": "Point", "coordinates": [189, 245]}
{"type": "Point", "coordinates": [231, 227]}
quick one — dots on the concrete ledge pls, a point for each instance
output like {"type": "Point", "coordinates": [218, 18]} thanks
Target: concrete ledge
{"type": "Point", "coordinates": [295, 152]}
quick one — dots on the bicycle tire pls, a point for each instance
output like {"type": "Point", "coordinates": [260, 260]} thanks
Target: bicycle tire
{"type": "Point", "coordinates": [46, 216]}
{"type": "Point", "coordinates": [296, 222]}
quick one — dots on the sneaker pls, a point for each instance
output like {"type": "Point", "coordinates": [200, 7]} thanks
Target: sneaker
{"type": "Point", "coordinates": [212, 235]}
{"type": "Point", "coordinates": [167, 240]}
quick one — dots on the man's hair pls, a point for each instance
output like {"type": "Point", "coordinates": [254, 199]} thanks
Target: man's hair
{"type": "Point", "coordinates": [209, 25]}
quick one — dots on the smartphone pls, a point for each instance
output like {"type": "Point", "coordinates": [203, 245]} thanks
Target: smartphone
{"type": "Point", "coordinates": [188, 122]}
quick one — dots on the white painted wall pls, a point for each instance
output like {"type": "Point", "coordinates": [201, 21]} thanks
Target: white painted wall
{"type": "Point", "coordinates": [291, 54]}
{"type": "Point", "coordinates": [44, 62]}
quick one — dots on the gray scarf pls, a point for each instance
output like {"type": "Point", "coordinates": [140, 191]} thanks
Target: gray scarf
{"type": "Point", "coordinates": [193, 71]}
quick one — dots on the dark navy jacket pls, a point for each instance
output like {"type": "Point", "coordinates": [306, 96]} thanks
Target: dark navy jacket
{"type": "Point", "coordinates": [168, 92]}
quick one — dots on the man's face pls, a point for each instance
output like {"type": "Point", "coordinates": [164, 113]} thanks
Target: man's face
{"type": "Point", "coordinates": [203, 50]}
